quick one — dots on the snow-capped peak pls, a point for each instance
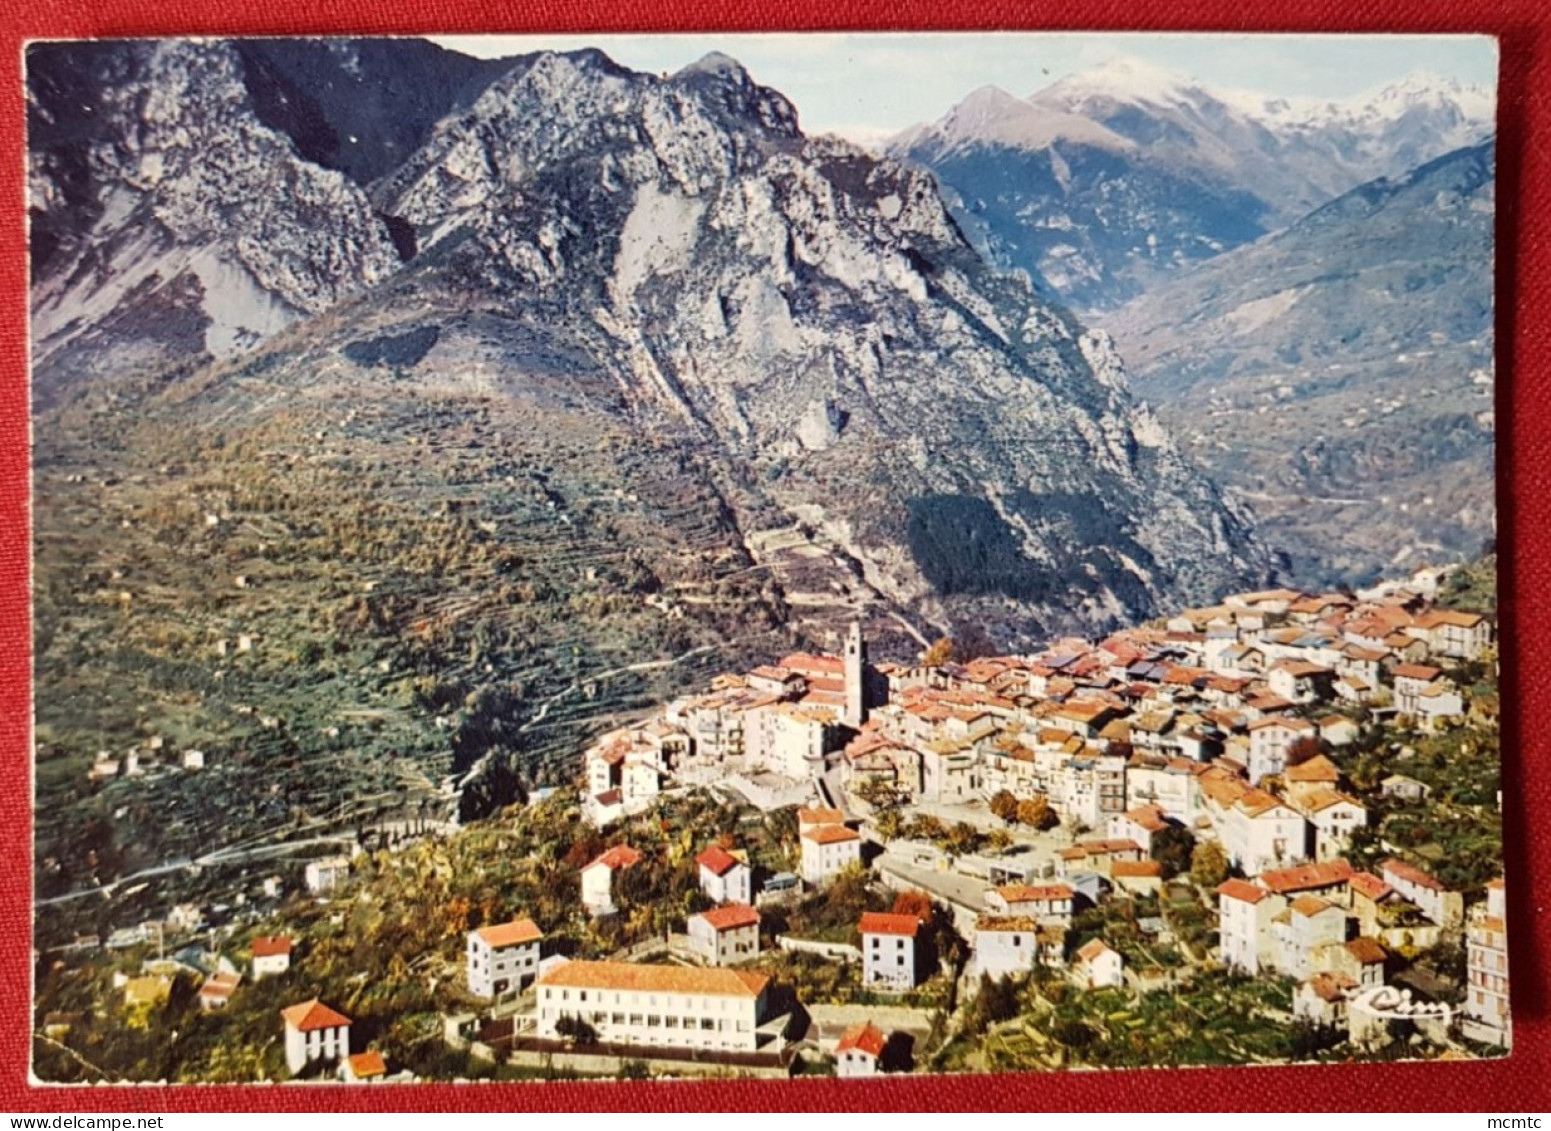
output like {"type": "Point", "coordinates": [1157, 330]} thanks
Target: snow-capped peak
{"type": "Point", "coordinates": [1122, 78]}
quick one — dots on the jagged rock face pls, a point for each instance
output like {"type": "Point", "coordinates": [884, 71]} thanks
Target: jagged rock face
{"type": "Point", "coordinates": [1106, 184]}
{"type": "Point", "coordinates": [672, 252]}
{"type": "Point", "coordinates": [820, 314]}
{"type": "Point", "coordinates": [173, 219]}
{"type": "Point", "coordinates": [1342, 368]}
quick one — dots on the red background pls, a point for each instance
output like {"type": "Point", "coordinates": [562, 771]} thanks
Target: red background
{"type": "Point", "coordinates": [1519, 1083]}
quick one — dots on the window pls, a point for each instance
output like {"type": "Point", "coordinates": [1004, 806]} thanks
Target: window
{"type": "Point", "coordinates": [707, 1024]}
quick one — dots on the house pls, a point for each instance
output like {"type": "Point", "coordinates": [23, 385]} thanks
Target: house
{"type": "Point", "coordinates": [724, 877]}
{"type": "Point", "coordinates": [503, 957]}
{"type": "Point", "coordinates": [725, 935]}
{"type": "Point", "coordinates": [1005, 944]}
{"type": "Point", "coordinates": [1369, 893]}
{"type": "Point", "coordinates": [1137, 877]}
{"type": "Point", "coordinates": [1338, 730]}
{"type": "Point", "coordinates": [1332, 817]}
{"type": "Point", "coordinates": [217, 992]}
{"type": "Point", "coordinates": [1486, 964]}
{"type": "Point", "coordinates": [1097, 966]}
{"type": "Point", "coordinates": [1308, 924]}
{"type": "Point", "coordinates": [891, 956]}
{"type": "Point", "coordinates": [598, 878]}
{"type": "Point", "coordinates": [1450, 632]}
{"type": "Point", "coordinates": [1300, 681]}
{"type": "Point", "coordinates": [1328, 879]}
{"type": "Point", "coordinates": [1361, 959]}
{"type": "Point", "coordinates": [1259, 831]}
{"type": "Point", "coordinates": [1322, 999]}
{"type": "Point", "coordinates": [1316, 774]}
{"type": "Point", "coordinates": [1139, 824]}
{"type": "Point", "coordinates": [626, 1003]}
{"type": "Point", "coordinates": [314, 1032]}
{"type": "Point", "coordinates": [327, 874]}
{"type": "Point", "coordinates": [860, 1051]}
{"type": "Point", "coordinates": [1244, 915]}
{"type": "Point", "coordinates": [1270, 739]}
{"type": "Point", "coordinates": [1046, 904]}
{"type": "Point", "coordinates": [271, 956]}
{"type": "Point", "coordinates": [1404, 788]}
{"type": "Point", "coordinates": [1095, 856]}
{"type": "Point", "coordinates": [828, 849]}
{"type": "Point", "coordinates": [363, 1068]}
{"type": "Point", "coordinates": [1444, 907]}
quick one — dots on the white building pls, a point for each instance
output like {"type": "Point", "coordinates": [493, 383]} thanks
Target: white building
{"type": "Point", "coordinates": [503, 957]}
{"type": "Point", "coordinates": [859, 1051]}
{"type": "Point", "coordinates": [661, 1006]}
{"type": "Point", "coordinates": [1005, 945]}
{"type": "Point", "coordinates": [327, 874]}
{"type": "Point", "coordinates": [724, 877]}
{"type": "Point", "coordinates": [725, 935]}
{"type": "Point", "coordinates": [313, 1031]}
{"type": "Point", "coordinates": [1046, 904]}
{"type": "Point", "coordinates": [1486, 957]}
{"type": "Point", "coordinates": [1444, 907]}
{"type": "Point", "coordinates": [1259, 831]}
{"type": "Point", "coordinates": [1332, 818]}
{"type": "Point", "coordinates": [1307, 925]}
{"type": "Point", "coordinates": [1097, 966]}
{"type": "Point", "coordinates": [598, 878]}
{"type": "Point", "coordinates": [271, 956]}
{"type": "Point", "coordinates": [827, 850]}
{"type": "Point", "coordinates": [890, 956]}
{"type": "Point", "coordinates": [1269, 741]}
{"type": "Point", "coordinates": [1244, 916]}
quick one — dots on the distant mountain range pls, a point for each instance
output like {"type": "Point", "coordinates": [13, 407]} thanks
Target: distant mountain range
{"type": "Point", "coordinates": [1339, 371]}
{"type": "Point", "coordinates": [1107, 182]}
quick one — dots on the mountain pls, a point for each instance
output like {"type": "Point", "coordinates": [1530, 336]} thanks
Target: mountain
{"type": "Point", "coordinates": [1339, 372]}
{"type": "Point", "coordinates": [665, 386]}
{"type": "Point", "coordinates": [1109, 181]}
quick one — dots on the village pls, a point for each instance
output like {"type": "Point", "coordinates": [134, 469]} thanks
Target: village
{"type": "Point", "coordinates": [828, 864]}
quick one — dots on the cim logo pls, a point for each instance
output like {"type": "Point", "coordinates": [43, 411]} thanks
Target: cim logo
{"type": "Point", "coordinates": [1387, 1001]}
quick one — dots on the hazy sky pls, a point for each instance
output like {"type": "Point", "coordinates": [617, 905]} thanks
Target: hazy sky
{"type": "Point", "coordinates": [870, 85]}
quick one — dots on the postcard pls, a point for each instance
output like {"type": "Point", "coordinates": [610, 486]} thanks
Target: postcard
{"type": "Point", "coordinates": [667, 556]}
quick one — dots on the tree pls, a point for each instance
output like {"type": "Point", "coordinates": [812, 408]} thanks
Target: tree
{"type": "Point", "coordinates": [941, 652]}
{"type": "Point", "coordinates": [1208, 864]}
{"type": "Point", "coordinates": [1004, 805]}
{"type": "Point", "coordinates": [575, 1030]}
{"type": "Point", "coordinates": [1302, 750]}
{"type": "Point", "coordinates": [916, 903]}
{"type": "Point", "coordinates": [1173, 848]}
{"type": "Point", "coordinates": [1037, 813]}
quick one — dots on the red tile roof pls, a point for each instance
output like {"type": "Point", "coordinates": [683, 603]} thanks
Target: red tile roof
{"type": "Point", "coordinates": [267, 946]}
{"type": "Point", "coordinates": [717, 981]}
{"type": "Point", "coordinates": [866, 1037]}
{"type": "Point", "coordinates": [365, 1065]}
{"type": "Point", "coordinates": [732, 916]}
{"type": "Point", "coordinates": [310, 1015]}
{"type": "Point", "coordinates": [1366, 950]}
{"type": "Point", "coordinates": [1092, 949]}
{"type": "Point", "coordinates": [1413, 875]}
{"type": "Point", "coordinates": [830, 834]}
{"type": "Point", "coordinates": [1304, 877]}
{"type": "Point", "coordinates": [1135, 868]}
{"type": "Point", "coordinates": [511, 934]}
{"type": "Point", "coordinates": [620, 856]}
{"type": "Point", "coordinates": [1366, 883]}
{"type": "Point", "coordinates": [1242, 890]}
{"type": "Point", "coordinates": [882, 923]}
{"type": "Point", "coordinates": [718, 860]}
{"type": "Point", "coordinates": [1024, 893]}
{"type": "Point", "coordinates": [807, 816]}
{"type": "Point", "coordinates": [1416, 671]}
